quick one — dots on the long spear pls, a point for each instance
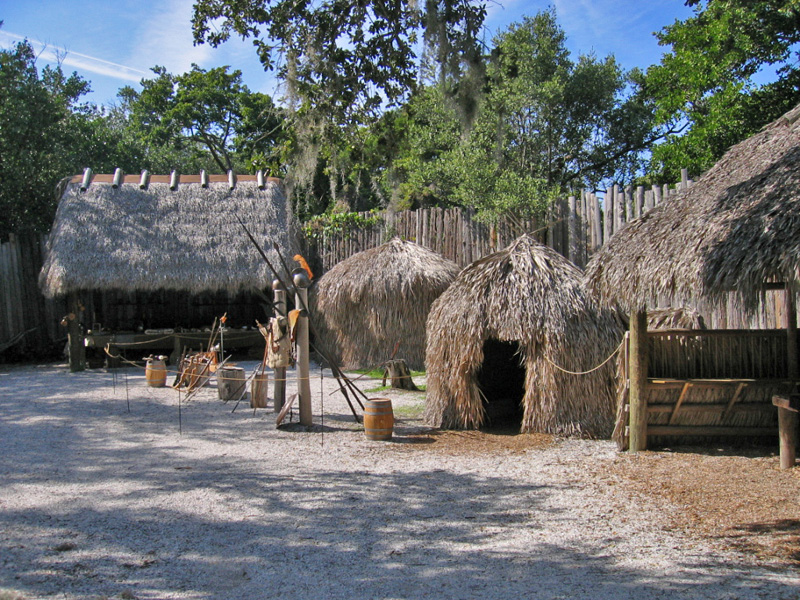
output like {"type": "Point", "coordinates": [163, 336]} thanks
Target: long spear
{"type": "Point", "coordinates": [334, 369]}
{"type": "Point", "coordinates": [337, 372]}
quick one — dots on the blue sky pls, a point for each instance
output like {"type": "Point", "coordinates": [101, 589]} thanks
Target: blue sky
{"type": "Point", "coordinates": [115, 43]}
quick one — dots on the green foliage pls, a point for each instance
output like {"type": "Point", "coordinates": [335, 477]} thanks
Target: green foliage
{"type": "Point", "coordinates": [339, 222]}
{"type": "Point", "coordinates": [347, 56]}
{"type": "Point", "coordinates": [343, 62]}
{"type": "Point", "coordinates": [543, 124]}
{"type": "Point", "coordinates": [706, 89]}
{"type": "Point", "coordinates": [565, 122]}
{"type": "Point", "coordinates": [203, 116]}
{"type": "Point", "coordinates": [44, 135]}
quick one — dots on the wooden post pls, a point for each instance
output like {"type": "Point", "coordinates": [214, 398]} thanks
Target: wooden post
{"type": "Point", "coordinates": [572, 231]}
{"type": "Point", "coordinates": [638, 381]}
{"type": "Point", "coordinates": [301, 339]}
{"type": "Point", "coordinates": [608, 215]}
{"type": "Point", "coordinates": [619, 208]}
{"type": "Point", "coordinates": [279, 302]}
{"type": "Point", "coordinates": [639, 201]}
{"type": "Point", "coordinates": [596, 221]}
{"type": "Point", "coordinates": [629, 209]}
{"type": "Point", "coordinates": [656, 195]}
{"type": "Point", "coordinates": [77, 346]}
{"type": "Point", "coordinates": [787, 419]}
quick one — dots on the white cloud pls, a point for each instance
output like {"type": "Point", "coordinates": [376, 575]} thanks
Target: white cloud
{"type": "Point", "coordinates": [50, 54]}
{"type": "Point", "coordinates": [166, 39]}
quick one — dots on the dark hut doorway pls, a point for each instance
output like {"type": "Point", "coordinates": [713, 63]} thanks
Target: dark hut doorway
{"type": "Point", "coordinates": [501, 380]}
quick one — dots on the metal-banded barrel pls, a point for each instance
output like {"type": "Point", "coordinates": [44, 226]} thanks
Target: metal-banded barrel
{"type": "Point", "coordinates": [155, 373]}
{"type": "Point", "coordinates": [378, 419]}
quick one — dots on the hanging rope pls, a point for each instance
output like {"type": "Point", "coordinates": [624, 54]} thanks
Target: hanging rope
{"type": "Point", "coordinates": [602, 364]}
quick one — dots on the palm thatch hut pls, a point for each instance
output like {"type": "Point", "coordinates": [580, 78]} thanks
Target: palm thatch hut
{"type": "Point", "coordinates": [376, 302]}
{"type": "Point", "coordinates": [736, 230]}
{"type": "Point", "coordinates": [164, 234]}
{"type": "Point", "coordinates": [502, 338]}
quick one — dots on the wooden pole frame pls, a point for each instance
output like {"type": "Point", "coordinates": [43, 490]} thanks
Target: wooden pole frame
{"type": "Point", "coordinates": [787, 419]}
{"type": "Point", "coordinates": [302, 282]}
{"type": "Point", "coordinates": [638, 381]}
{"type": "Point", "coordinates": [279, 302]}
{"type": "Point", "coordinates": [77, 345]}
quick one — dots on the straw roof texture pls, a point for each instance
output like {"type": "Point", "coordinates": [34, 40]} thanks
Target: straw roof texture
{"type": "Point", "coordinates": [675, 318]}
{"type": "Point", "coordinates": [736, 228]}
{"type": "Point", "coordinates": [530, 294]}
{"type": "Point", "coordinates": [134, 239]}
{"type": "Point", "coordinates": [367, 304]}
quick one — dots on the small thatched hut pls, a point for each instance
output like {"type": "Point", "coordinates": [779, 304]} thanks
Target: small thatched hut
{"type": "Point", "coordinates": [737, 230]}
{"type": "Point", "coordinates": [369, 303]}
{"type": "Point", "coordinates": [501, 337]}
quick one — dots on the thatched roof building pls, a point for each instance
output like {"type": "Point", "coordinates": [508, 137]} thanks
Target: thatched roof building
{"type": "Point", "coordinates": [369, 303]}
{"type": "Point", "coordinates": [166, 235]}
{"type": "Point", "coordinates": [735, 229]}
{"type": "Point", "coordinates": [500, 336]}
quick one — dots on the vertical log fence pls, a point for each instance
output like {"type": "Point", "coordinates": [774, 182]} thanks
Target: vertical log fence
{"type": "Point", "coordinates": [576, 226]}
{"type": "Point", "coordinates": [25, 315]}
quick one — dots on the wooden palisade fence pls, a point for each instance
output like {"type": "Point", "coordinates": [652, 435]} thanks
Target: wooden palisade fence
{"type": "Point", "coordinates": [575, 226]}
{"type": "Point", "coordinates": [25, 315]}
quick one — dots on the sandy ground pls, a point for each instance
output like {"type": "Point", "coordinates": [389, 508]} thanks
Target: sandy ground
{"type": "Point", "coordinates": [107, 491]}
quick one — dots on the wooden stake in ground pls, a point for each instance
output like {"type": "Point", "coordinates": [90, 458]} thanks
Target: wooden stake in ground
{"type": "Point", "coordinates": [77, 346]}
{"type": "Point", "coordinates": [638, 381]}
{"type": "Point", "coordinates": [301, 282]}
{"type": "Point", "coordinates": [787, 419]}
{"type": "Point", "coordinates": [279, 302]}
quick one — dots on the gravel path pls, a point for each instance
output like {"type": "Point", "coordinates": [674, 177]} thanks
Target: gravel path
{"type": "Point", "coordinates": [98, 501]}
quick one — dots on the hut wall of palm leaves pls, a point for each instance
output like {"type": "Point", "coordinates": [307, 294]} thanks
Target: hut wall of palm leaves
{"type": "Point", "coordinates": [530, 295]}
{"type": "Point", "coordinates": [378, 300]}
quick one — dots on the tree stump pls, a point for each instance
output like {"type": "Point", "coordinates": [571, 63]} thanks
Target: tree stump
{"type": "Point", "coordinates": [259, 388]}
{"type": "Point", "coordinates": [231, 383]}
{"type": "Point", "coordinates": [397, 371]}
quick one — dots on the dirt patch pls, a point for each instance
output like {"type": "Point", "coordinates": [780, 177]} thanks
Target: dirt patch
{"type": "Point", "coordinates": [460, 443]}
{"type": "Point", "coordinates": [739, 498]}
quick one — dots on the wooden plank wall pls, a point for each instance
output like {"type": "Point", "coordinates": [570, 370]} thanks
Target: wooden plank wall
{"type": "Point", "coordinates": [22, 305]}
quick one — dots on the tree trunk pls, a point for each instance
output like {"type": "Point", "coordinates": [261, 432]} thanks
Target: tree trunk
{"type": "Point", "coordinates": [400, 376]}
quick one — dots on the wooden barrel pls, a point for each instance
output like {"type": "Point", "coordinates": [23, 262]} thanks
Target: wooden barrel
{"type": "Point", "coordinates": [259, 388]}
{"type": "Point", "coordinates": [378, 419]}
{"type": "Point", "coordinates": [231, 383]}
{"type": "Point", "coordinates": [156, 372]}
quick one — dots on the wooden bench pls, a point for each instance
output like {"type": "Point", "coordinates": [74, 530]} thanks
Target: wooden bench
{"type": "Point", "coordinates": [680, 406]}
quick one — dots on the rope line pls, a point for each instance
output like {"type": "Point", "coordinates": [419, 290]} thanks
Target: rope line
{"type": "Point", "coordinates": [219, 377]}
{"type": "Point", "coordinates": [612, 355]}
